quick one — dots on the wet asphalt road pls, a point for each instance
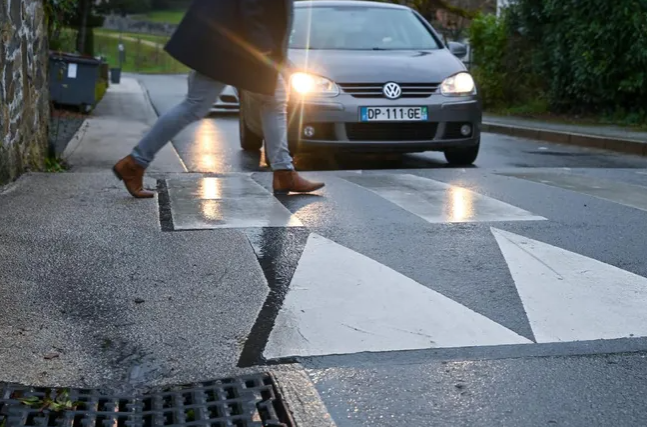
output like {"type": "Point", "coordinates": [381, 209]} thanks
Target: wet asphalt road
{"type": "Point", "coordinates": [506, 294]}
{"type": "Point", "coordinates": [211, 146]}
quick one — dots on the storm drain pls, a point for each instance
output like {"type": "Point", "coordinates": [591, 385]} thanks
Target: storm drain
{"type": "Point", "coordinates": [248, 401]}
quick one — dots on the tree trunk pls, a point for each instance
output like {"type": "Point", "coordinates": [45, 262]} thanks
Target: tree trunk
{"type": "Point", "coordinates": [84, 12]}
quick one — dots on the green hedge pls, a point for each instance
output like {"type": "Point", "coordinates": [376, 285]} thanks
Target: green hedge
{"type": "Point", "coordinates": [585, 56]}
{"type": "Point", "coordinates": [100, 90]}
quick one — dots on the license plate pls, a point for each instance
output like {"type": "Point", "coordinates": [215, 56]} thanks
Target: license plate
{"type": "Point", "coordinates": [394, 114]}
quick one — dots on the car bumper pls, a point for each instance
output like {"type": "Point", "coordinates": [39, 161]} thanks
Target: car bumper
{"type": "Point", "coordinates": [336, 124]}
{"type": "Point", "coordinates": [227, 102]}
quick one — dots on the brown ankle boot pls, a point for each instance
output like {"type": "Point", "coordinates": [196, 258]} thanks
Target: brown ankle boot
{"type": "Point", "coordinates": [132, 174]}
{"type": "Point", "coordinates": [287, 181]}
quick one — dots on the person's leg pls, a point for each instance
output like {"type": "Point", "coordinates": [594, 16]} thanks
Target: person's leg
{"type": "Point", "coordinates": [274, 118]}
{"type": "Point", "coordinates": [202, 93]}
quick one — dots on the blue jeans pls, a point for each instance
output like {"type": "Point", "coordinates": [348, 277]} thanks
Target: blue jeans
{"type": "Point", "coordinates": [202, 93]}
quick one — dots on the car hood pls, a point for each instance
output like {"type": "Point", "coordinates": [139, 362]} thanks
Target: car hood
{"type": "Point", "coordinates": [352, 66]}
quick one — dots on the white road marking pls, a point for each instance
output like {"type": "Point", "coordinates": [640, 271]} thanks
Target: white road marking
{"type": "Point", "coordinates": [437, 202]}
{"type": "Point", "coordinates": [343, 302]}
{"type": "Point", "coordinates": [235, 201]}
{"type": "Point", "coordinates": [570, 297]}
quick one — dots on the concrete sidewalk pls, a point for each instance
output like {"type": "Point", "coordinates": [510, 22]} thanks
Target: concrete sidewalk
{"type": "Point", "coordinates": [114, 128]}
{"type": "Point", "coordinates": [611, 138]}
{"type": "Point", "coordinates": [94, 294]}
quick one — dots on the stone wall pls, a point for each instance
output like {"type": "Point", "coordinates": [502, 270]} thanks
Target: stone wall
{"type": "Point", "coordinates": [129, 25]}
{"type": "Point", "coordinates": [24, 94]}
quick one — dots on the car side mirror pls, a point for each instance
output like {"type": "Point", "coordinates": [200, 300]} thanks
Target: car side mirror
{"type": "Point", "coordinates": [457, 49]}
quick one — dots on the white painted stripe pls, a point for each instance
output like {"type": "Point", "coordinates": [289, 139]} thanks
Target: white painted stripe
{"type": "Point", "coordinates": [437, 202]}
{"type": "Point", "coordinates": [229, 187]}
{"type": "Point", "coordinates": [342, 302]}
{"type": "Point", "coordinates": [570, 297]}
{"type": "Point", "coordinates": [232, 202]}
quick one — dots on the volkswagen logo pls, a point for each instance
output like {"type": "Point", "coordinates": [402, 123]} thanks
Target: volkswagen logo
{"type": "Point", "coordinates": [392, 90]}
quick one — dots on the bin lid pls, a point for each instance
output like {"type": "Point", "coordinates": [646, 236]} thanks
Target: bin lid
{"type": "Point", "coordinates": [73, 57]}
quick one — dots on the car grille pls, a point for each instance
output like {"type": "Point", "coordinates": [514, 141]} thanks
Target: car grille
{"type": "Point", "coordinates": [391, 131]}
{"type": "Point", "coordinates": [374, 90]}
{"type": "Point", "coordinates": [453, 130]}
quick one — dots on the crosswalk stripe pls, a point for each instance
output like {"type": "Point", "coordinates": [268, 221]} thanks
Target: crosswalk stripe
{"type": "Point", "coordinates": [625, 194]}
{"type": "Point", "coordinates": [437, 202]}
{"type": "Point", "coordinates": [343, 302]}
{"type": "Point", "coordinates": [235, 201]}
{"type": "Point", "coordinates": [570, 297]}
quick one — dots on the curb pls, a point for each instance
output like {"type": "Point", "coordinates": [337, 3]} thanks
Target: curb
{"type": "Point", "coordinates": [619, 145]}
{"type": "Point", "coordinates": [301, 396]}
{"type": "Point", "coordinates": [76, 140]}
{"type": "Point", "coordinates": [155, 115]}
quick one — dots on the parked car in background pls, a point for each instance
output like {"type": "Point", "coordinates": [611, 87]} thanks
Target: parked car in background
{"type": "Point", "coordinates": [373, 77]}
{"type": "Point", "coordinates": [227, 101]}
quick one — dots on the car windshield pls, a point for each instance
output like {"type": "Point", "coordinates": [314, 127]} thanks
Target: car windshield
{"type": "Point", "coordinates": [359, 28]}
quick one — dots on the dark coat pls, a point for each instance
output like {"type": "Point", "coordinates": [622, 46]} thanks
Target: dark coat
{"type": "Point", "coordinates": [223, 39]}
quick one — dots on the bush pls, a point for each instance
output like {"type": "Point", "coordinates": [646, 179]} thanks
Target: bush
{"type": "Point", "coordinates": [488, 39]}
{"type": "Point", "coordinates": [584, 56]}
{"type": "Point", "coordinates": [593, 52]}
{"type": "Point", "coordinates": [100, 90]}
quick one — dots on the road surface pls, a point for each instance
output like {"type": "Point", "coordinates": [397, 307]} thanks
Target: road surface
{"type": "Point", "coordinates": [511, 293]}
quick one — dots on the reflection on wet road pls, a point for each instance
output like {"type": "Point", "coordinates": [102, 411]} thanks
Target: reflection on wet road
{"type": "Point", "coordinates": [212, 146]}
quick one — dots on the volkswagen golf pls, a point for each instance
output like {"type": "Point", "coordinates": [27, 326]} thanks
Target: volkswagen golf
{"type": "Point", "coordinates": [372, 77]}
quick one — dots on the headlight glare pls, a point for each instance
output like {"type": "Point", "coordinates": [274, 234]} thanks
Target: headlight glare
{"type": "Point", "coordinates": [306, 84]}
{"type": "Point", "coordinates": [459, 84]}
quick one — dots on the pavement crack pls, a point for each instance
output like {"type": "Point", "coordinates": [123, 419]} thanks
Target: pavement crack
{"type": "Point", "coordinates": [414, 333]}
{"type": "Point", "coordinates": [303, 336]}
{"type": "Point", "coordinates": [222, 276]}
{"type": "Point", "coordinates": [559, 276]}
{"type": "Point", "coordinates": [359, 330]}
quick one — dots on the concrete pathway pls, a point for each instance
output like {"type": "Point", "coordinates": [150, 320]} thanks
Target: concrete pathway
{"type": "Point", "coordinates": [594, 130]}
{"type": "Point", "coordinates": [133, 39]}
{"type": "Point", "coordinates": [612, 138]}
{"type": "Point", "coordinates": [113, 129]}
{"type": "Point", "coordinates": [94, 294]}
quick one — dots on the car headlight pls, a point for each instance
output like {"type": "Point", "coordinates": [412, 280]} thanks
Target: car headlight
{"type": "Point", "coordinates": [306, 84]}
{"type": "Point", "coordinates": [458, 84]}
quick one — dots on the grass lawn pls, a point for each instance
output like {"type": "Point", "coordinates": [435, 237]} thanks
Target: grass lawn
{"type": "Point", "coordinates": [140, 58]}
{"type": "Point", "coordinates": [168, 16]}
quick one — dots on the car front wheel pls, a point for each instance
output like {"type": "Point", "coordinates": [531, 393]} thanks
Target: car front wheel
{"type": "Point", "coordinates": [462, 156]}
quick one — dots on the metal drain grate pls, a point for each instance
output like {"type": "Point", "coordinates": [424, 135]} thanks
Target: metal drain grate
{"type": "Point", "coordinates": [248, 401]}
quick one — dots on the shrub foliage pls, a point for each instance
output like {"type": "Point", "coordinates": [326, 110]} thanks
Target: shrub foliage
{"type": "Point", "coordinates": [585, 56]}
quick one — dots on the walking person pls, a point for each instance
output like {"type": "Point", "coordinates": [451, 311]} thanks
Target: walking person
{"type": "Point", "coordinates": [241, 43]}
{"type": "Point", "coordinates": [274, 121]}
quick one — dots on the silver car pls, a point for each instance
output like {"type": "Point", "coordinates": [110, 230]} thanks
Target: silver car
{"type": "Point", "coordinates": [372, 77]}
{"type": "Point", "coordinates": [227, 102]}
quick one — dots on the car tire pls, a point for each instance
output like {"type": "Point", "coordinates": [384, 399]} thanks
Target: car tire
{"type": "Point", "coordinates": [462, 156]}
{"type": "Point", "coordinates": [249, 141]}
